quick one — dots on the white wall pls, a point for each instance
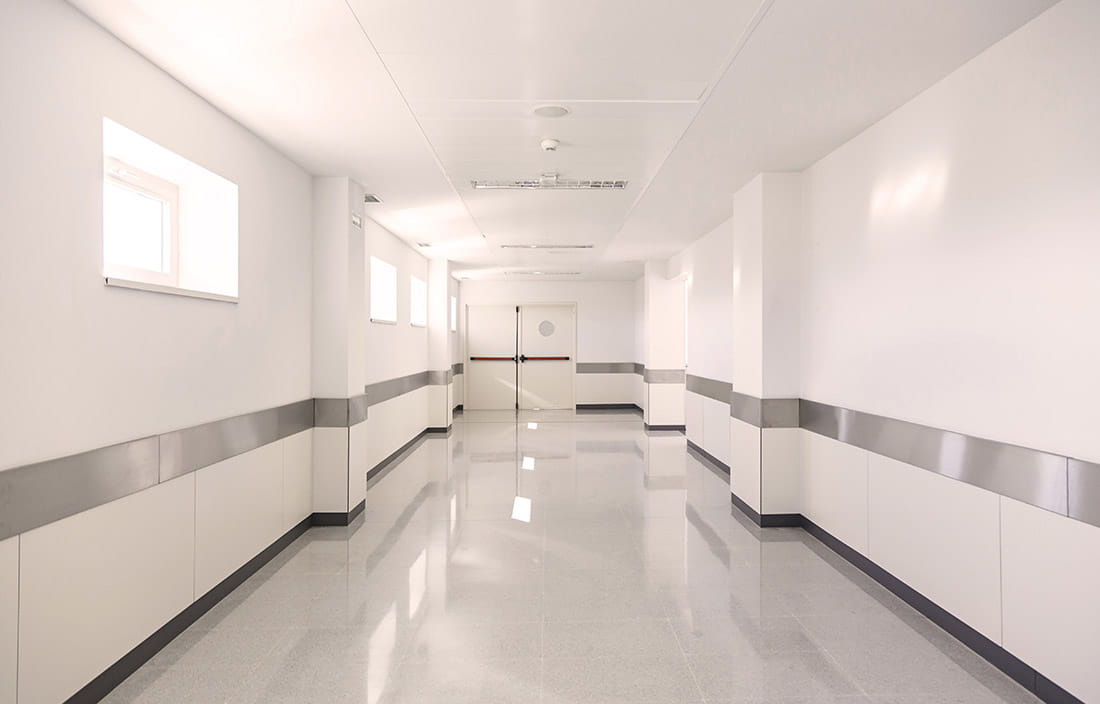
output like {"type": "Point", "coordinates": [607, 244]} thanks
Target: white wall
{"type": "Point", "coordinates": [949, 259]}
{"type": "Point", "coordinates": [394, 350]}
{"type": "Point", "coordinates": [605, 310]}
{"type": "Point", "coordinates": [160, 362]}
{"type": "Point", "coordinates": [708, 266]}
{"type": "Point", "coordinates": [948, 278]}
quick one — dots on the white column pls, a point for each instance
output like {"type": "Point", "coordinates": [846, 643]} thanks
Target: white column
{"type": "Point", "coordinates": [439, 344]}
{"type": "Point", "coordinates": [338, 339]}
{"type": "Point", "coordinates": [764, 460]}
{"type": "Point", "coordinates": [664, 381]}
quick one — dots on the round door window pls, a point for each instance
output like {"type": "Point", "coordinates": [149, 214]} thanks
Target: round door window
{"type": "Point", "coordinates": [546, 328]}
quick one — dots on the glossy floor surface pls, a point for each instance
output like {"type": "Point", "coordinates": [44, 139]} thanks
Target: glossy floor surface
{"type": "Point", "coordinates": [559, 558]}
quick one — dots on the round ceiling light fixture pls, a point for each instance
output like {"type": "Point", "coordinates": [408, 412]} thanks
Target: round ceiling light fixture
{"type": "Point", "coordinates": [551, 111]}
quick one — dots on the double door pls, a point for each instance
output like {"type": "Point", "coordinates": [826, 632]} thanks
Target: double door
{"type": "Point", "coordinates": [520, 357]}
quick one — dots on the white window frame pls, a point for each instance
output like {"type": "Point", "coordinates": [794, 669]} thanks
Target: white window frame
{"type": "Point", "coordinates": [422, 304]}
{"type": "Point", "coordinates": [119, 173]}
{"type": "Point", "coordinates": [375, 314]}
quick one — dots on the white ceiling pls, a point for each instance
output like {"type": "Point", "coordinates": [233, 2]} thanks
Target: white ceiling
{"type": "Point", "coordinates": [687, 101]}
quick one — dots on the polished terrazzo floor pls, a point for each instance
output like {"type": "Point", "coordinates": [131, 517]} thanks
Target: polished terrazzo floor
{"type": "Point", "coordinates": [560, 558]}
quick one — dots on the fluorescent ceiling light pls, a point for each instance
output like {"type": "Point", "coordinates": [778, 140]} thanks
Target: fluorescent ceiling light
{"type": "Point", "coordinates": [542, 273]}
{"type": "Point", "coordinates": [565, 184]}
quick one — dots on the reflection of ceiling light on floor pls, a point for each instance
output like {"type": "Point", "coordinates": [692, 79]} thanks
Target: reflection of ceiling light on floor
{"type": "Point", "coordinates": [532, 426]}
{"type": "Point", "coordinates": [521, 509]}
{"type": "Point", "coordinates": [528, 463]}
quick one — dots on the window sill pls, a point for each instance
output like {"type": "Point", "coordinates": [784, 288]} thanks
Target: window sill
{"type": "Point", "coordinates": [383, 322]}
{"type": "Point", "coordinates": [171, 290]}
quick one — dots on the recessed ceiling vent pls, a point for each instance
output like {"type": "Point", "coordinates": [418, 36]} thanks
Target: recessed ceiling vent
{"type": "Point", "coordinates": [547, 246]}
{"type": "Point", "coordinates": [542, 273]}
{"type": "Point", "coordinates": [371, 198]}
{"type": "Point", "coordinates": [551, 182]}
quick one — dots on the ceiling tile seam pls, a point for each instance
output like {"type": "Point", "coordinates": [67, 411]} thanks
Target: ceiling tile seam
{"type": "Point", "coordinates": [412, 114]}
{"type": "Point", "coordinates": [761, 12]}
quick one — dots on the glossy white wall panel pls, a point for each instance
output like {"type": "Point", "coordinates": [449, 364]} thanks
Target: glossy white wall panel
{"type": "Point", "coordinates": [834, 488]}
{"type": "Point", "coordinates": [394, 422]}
{"type": "Point", "coordinates": [693, 417]}
{"type": "Point", "coordinates": [297, 478]}
{"type": "Point", "coordinates": [666, 404]}
{"type": "Point", "coordinates": [708, 265]}
{"type": "Point", "coordinates": [990, 194]}
{"type": "Point", "coordinates": [438, 414]}
{"type": "Point", "coordinates": [605, 388]}
{"type": "Point", "coordinates": [1050, 582]}
{"type": "Point", "coordinates": [9, 617]}
{"type": "Point", "coordinates": [747, 351]}
{"type": "Point", "coordinates": [460, 390]}
{"type": "Point", "coordinates": [780, 249]}
{"type": "Point", "coordinates": [330, 470]}
{"type": "Point", "coordinates": [780, 476]}
{"type": "Point", "coordinates": [716, 428]}
{"type": "Point", "coordinates": [259, 348]}
{"type": "Point", "coordinates": [238, 512]}
{"type": "Point", "coordinates": [94, 585]}
{"type": "Point", "coordinates": [745, 462]}
{"type": "Point", "coordinates": [940, 536]}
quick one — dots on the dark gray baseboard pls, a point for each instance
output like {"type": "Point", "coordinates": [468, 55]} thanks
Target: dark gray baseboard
{"type": "Point", "coordinates": [438, 430]}
{"type": "Point", "coordinates": [608, 407]}
{"type": "Point", "coordinates": [383, 467]}
{"type": "Point", "coordinates": [997, 656]}
{"type": "Point", "coordinates": [457, 409]}
{"type": "Point", "coordinates": [717, 463]}
{"type": "Point", "coordinates": [337, 518]}
{"type": "Point", "coordinates": [125, 666]}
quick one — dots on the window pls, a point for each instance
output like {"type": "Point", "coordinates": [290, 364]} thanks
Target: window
{"type": "Point", "coordinates": [418, 302]}
{"type": "Point", "coordinates": [169, 225]}
{"type": "Point", "coordinates": [140, 224]}
{"type": "Point", "coordinates": [383, 292]}
{"type": "Point", "coordinates": [454, 314]}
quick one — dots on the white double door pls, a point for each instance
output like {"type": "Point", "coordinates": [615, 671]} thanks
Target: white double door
{"type": "Point", "coordinates": [520, 357]}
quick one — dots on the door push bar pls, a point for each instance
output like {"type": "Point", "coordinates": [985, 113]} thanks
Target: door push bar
{"type": "Point", "coordinates": [524, 358]}
{"type": "Point", "coordinates": [492, 359]}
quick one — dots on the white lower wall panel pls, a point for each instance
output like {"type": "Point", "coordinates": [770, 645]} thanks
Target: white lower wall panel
{"type": "Point", "coordinates": [693, 418]}
{"type": "Point", "coordinates": [834, 488]}
{"type": "Point", "coordinates": [438, 412]}
{"type": "Point", "coordinates": [9, 617]}
{"type": "Point", "coordinates": [639, 390]}
{"type": "Point", "coordinates": [94, 585]}
{"type": "Point", "coordinates": [1050, 581]}
{"type": "Point", "coordinates": [604, 388]}
{"type": "Point", "coordinates": [940, 536]}
{"type": "Point", "coordinates": [358, 463]}
{"type": "Point", "coordinates": [665, 405]}
{"type": "Point", "coordinates": [238, 512]}
{"type": "Point", "coordinates": [716, 428]}
{"type": "Point", "coordinates": [459, 386]}
{"type": "Point", "coordinates": [330, 469]}
{"type": "Point", "coordinates": [780, 457]}
{"type": "Point", "coordinates": [297, 478]}
{"type": "Point", "coordinates": [394, 422]}
{"type": "Point", "coordinates": [745, 462]}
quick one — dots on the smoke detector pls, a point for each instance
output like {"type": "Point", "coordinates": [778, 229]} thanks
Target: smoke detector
{"type": "Point", "coordinates": [549, 145]}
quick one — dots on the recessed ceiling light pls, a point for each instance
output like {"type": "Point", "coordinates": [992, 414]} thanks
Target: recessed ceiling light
{"type": "Point", "coordinates": [551, 111]}
{"type": "Point", "coordinates": [371, 198]}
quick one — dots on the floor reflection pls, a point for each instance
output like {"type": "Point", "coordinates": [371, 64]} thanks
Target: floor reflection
{"type": "Point", "coordinates": [556, 557]}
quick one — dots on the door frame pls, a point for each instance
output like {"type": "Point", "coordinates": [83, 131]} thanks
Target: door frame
{"type": "Point", "coordinates": [517, 305]}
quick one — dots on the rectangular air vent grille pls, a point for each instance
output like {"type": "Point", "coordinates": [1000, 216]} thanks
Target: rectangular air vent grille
{"type": "Point", "coordinates": [371, 198]}
{"type": "Point", "coordinates": [546, 246]}
{"type": "Point", "coordinates": [561, 184]}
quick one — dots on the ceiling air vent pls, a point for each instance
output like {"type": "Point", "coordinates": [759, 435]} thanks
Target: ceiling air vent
{"type": "Point", "coordinates": [546, 246]}
{"type": "Point", "coordinates": [371, 198]}
{"type": "Point", "coordinates": [551, 182]}
{"type": "Point", "coordinates": [542, 273]}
